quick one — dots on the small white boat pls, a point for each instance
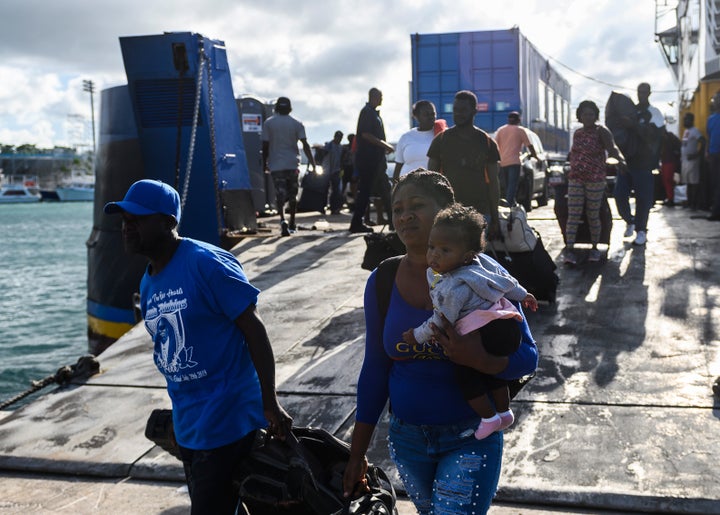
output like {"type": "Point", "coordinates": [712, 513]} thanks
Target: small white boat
{"type": "Point", "coordinates": [18, 189]}
{"type": "Point", "coordinates": [78, 188]}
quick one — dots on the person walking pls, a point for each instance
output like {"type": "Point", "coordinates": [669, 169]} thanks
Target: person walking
{"type": "Point", "coordinates": [587, 178]}
{"type": "Point", "coordinates": [411, 149]}
{"type": "Point", "coordinates": [646, 129]}
{"type": "Point", "coordinates": [280, 135]}
{"type": "Point", "coordinates": [349, 179]}
{"type": "Point", "coordinates": [431, 432]}
{"type": "Point", "coordinates": [670, 164]}
{"type": "Point", "coordinates": [469, 157]}
{"type": "Point", "coordinates": [209, 342]}
{"type": "Point", "coordinates": [370, 161]}
{"type": "Point", "coordinates": [713, 156]}
{"type": "Point", "coordinates": [510, 139]}
{"type": "Point", "coordinates": [333, 165]}
{"type": "Point", "coordinates": [692, 151]}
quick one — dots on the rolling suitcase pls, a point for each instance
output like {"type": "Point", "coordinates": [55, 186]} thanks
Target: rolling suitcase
{"type": "Point", "coordinates": [314, 194]}
{"type": "Point", "coordinates": [534, 270]}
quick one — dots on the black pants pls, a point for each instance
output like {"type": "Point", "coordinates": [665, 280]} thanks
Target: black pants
{"type": "Point", "coordinates": [501, 338]}
{"type": "Point", "coordinates": [209, 476]}
{"type": "Point", "coordinates": [371, 176]}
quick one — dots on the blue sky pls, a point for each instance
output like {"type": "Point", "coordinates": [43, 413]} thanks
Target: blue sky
{"type": "Point", "coordinates": [323, 55]}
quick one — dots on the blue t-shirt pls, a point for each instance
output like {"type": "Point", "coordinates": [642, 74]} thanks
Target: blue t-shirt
{"type": "Point", "coordinates": [419, 380]}
{"type": "Point", "coordinates": [713, 132]}
{"type": "Point", "coordinates": [189, 310]}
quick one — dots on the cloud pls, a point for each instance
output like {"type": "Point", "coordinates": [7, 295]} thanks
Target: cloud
{"type": "Point", "coordinates": [323, 55]}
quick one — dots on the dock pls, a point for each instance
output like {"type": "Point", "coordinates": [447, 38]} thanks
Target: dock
{"type": "Point", "coordinates": [620, 417]}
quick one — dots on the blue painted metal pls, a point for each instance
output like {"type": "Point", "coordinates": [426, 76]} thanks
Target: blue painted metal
{"type": "Point", "coordinates": [504, 70]}
{"type": "Point", "coordinates": [162, 73]}
{"type": "Point", "coordinates": [139, 139]}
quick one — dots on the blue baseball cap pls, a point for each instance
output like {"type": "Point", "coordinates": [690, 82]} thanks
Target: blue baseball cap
{"type": "Point", "coordinates": [148, 197]}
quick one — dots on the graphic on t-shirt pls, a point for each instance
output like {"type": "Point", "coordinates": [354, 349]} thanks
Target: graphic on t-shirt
{"type": "Point", "coordinates": [171, 355]}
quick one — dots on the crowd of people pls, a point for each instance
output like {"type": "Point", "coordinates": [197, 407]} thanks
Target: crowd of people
{"type": "Point", "coordinates": [451, 324]}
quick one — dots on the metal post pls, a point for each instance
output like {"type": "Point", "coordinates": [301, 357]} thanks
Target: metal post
{"type": "Point", "coordinates": [89, 86]}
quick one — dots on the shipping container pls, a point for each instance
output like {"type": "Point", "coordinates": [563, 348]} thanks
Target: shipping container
{"type": "Point", "coordinates": [504, 70]}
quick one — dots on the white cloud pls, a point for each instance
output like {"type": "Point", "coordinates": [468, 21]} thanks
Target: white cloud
{"type": "Point", "coordinates": [323, 55]}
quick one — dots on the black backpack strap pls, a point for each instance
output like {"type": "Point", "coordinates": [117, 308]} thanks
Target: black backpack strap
{"type": "Point", "coordinates": [384, 280]}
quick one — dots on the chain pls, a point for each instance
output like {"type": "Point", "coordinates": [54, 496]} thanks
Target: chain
{"type": "Point", "coordinates": [193, 133]}
{"type": "Point", "coordinates": [203, 62]}
{"type": "Point", "coordinates": [213, 148]}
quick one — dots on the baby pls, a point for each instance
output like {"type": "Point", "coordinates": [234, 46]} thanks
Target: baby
{"type": "Point", "coordinates": [473, 291]}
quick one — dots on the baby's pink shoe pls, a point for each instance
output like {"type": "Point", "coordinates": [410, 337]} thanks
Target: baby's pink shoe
{"type": "Point", "coordinates": [507, 418]}
{"type": "Point", "coordinates": [488, 426]}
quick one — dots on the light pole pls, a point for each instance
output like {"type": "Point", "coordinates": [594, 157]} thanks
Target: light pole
{"type": "Point", "coordinates": [89, 86]}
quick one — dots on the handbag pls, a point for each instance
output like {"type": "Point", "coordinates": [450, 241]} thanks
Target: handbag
{"type": "Point", "coordinates": [680, 193]}
{"type": "Point", "coordinates": [515, 233]}
{"type": "Point", "coordinates": [380, 246]}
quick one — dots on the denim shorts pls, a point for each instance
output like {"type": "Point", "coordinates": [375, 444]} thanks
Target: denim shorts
{"type": "Point", "coordinates": [444, 469]}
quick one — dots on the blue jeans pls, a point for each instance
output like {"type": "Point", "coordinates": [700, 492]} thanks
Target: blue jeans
{"type": "Point", "coordinates": [642, 182]}
{"type": "Point", "coordinates": [336, 198]}
{"type": "Point", "coordinates": [444, 469]}
{"type": "Point", "coordinates": [509, 177]}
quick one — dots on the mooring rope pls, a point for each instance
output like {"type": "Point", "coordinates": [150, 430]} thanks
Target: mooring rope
{"type": "Point", "coordinates": [85, 367]}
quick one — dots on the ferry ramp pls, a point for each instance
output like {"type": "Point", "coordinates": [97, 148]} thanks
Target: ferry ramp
{"type": "Point", "coordinates": [621, 417]}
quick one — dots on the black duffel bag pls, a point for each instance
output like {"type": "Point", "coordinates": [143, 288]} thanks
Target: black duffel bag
{"type": "Point", "coordinates": [303, 476]}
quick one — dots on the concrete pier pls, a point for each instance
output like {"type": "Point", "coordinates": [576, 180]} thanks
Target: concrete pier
{"type": "Point", "coordinates": [621, 416]}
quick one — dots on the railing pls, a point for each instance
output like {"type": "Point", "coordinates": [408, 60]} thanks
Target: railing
{"type": "Point", "coordinates": [713, 23]}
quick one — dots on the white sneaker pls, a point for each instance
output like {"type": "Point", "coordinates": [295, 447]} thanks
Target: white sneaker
{"type": "Point", "coordinates": [629, 230]}
{"type": "Point", "coordinates": [641, 238]}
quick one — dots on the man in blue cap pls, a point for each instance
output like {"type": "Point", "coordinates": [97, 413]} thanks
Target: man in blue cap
{"type": "Point", "coordinates": [209, 342]}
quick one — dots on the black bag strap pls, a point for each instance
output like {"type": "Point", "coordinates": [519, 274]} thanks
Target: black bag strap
{"type": "Point", "coordinates": [384, 280]}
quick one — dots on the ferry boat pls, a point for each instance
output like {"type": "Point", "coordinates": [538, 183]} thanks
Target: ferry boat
{"type": "Point", "coordinates": [18, 189]}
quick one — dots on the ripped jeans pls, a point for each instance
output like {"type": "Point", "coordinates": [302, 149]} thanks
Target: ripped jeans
{"type": "Point", "coordinates": [444, 469]}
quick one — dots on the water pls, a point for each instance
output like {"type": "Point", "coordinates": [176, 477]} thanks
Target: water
{"type": "Point", "coordinates": [43, 287]}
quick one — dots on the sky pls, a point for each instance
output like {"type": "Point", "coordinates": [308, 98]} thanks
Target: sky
{"type": "Point", "coordinates": [323, 54]}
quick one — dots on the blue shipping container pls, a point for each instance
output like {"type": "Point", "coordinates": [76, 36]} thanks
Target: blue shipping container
{"type": "Point", "coordinates": [504, 70]}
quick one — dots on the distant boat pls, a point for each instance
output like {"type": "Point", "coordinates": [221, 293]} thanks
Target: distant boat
{"type": "Point", "coordinates": [18, 189]}
{"type": "Point", "coordinates": [78, 188]}
{"type": "Point", "coordinates": [49, 195]}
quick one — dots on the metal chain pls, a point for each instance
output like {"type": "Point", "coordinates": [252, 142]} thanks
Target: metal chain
{"type": "Point", "coordinates": [85, 367]}
{"type": "Point", "coordinates": [193, 133]}
{"type": "Point", "coordinates": [213, 148]}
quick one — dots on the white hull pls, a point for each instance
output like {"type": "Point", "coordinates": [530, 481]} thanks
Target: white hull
{"type": "Point", "coordinates": [75, 194]}
{"type": "Point", "coordinates": [17, 199]}
{"type": "Point", "coordinates": [17, 195]}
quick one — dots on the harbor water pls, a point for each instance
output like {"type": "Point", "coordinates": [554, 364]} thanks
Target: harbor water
{"type": "Point", "coordinates": [42, 290]}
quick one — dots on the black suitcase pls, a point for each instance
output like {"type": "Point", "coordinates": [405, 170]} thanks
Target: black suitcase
{"type": "Point", "coordinates": [314, 194]}
{"type": "Point", "coordinates": [583, 232]}
{"type": "Point", "coordinates": [534, 270]}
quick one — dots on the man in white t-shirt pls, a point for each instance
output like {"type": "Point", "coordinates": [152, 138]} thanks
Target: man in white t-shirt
{"type": "Point", "coordinates": [510, 139]}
